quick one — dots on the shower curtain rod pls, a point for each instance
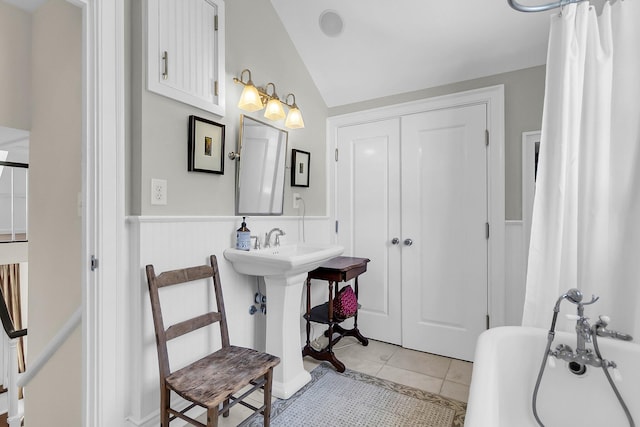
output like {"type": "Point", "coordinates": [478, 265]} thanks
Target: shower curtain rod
{"type": "Point", "coordinates": [541, 8]}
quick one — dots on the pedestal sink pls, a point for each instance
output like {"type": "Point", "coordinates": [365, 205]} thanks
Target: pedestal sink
{"type": "Point", "coordinates": [284, 269]}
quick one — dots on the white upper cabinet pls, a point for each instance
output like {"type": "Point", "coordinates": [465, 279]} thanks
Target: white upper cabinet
{"type": "Point", "coordinates": [185, 52]}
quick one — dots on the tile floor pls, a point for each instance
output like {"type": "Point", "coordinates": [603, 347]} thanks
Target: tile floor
{"type": "Point", "coordinates": [430, 372]}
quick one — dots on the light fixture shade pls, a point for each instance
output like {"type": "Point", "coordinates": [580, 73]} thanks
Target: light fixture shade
{"type": "Point", "coordinates": [274, 110]}
{"type": "Point", "coordinates": [250, 99]}
{"type": "Point", "coordinates": [294, 118]}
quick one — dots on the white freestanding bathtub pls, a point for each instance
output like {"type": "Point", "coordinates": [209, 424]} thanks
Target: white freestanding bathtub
{"type": "Point", "coordinates": [506, 366]}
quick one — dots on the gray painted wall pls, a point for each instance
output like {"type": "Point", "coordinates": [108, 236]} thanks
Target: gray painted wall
{"type": "Point", "coordinates": [15, 67]}
{"type": "Point", "coordinates": [524, 96]}
{"type": "Point", "coordinates": [15, 90]}
{"type": "Point", "coordinates": [159, 125]}
{"type": "Point", "coordinates": [55, 227]}
{"type": "Point", "coordinates": [41, 88]}
{"type": "Point", "coordinates": [255, 39]}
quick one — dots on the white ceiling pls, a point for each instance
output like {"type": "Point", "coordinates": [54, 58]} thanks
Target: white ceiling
{"type": "Point", "coordinates": [391, 47]}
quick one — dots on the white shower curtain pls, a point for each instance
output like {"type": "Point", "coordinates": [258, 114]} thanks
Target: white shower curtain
{"type": "Point", "coordinates": [586, 216]}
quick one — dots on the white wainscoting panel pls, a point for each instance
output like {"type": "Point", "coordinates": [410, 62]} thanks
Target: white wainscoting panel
{"type": "Point", "coordinates": [178, 242]}
{"type": "Point", "coordinates": [515, 267]}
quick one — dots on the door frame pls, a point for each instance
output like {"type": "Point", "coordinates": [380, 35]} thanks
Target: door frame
{"type": "Point", "coordinates": [529, 141]}
{"type": "Point", "coordinates": [103, 227]}
{"type": "Point", "coordinates": [493, 97]}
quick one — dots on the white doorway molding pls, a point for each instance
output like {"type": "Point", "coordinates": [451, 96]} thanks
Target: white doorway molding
{"type": "Point", "coordinates": [530, 148]}
{"type": "Point", "coordinates": [103, 212]}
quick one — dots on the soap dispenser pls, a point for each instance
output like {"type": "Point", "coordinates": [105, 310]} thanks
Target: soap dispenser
{"type": "Point", "coordinates": [243, 237]}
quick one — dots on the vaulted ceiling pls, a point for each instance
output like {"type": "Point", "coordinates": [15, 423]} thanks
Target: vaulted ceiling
{"type": "Point", "coordinates": [392, 47]}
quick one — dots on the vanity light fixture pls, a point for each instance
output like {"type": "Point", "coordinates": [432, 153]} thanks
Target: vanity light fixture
{"type": "Point", "coordinates": [250, 100]}
{"type": "Point", "coordinates": [256, 98]}
{"type": "Point", "coordinates": [274, 110]}
{"type": "Point", "coordinates": [294, 117]}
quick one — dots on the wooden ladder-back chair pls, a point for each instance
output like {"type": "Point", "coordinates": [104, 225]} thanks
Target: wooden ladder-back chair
{"type": "Point", "coordinates": [214, 379]}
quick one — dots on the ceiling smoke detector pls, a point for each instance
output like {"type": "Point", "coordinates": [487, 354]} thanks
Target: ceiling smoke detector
{"type": "Point", "coordinates": [331, 23]}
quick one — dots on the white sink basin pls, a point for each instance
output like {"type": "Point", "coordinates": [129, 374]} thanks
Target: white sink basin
{"type": "Point", "coordinates": [285, 260]}
{"type": "Point", "coordinates": [284, 269]}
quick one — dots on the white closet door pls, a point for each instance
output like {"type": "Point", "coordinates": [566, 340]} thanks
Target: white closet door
{"type": "Point", "coordinates": [444, 213]}
{"type": "Point", "coordinates": [368, 210]}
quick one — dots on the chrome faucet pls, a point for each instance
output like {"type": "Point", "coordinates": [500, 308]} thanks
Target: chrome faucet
{"type": "Point", "coordinates": [584, 333]}
{"type": "Point", "coordinates": [267, 238]}
{"type": "Point", "coordinates": [602, 331]}
{"type": "Point", "coordinates": [582, 356]}
{"type": "Point", "coordinates": [257, 244]}
{"type": "Point", "coordinates": [583, 329]}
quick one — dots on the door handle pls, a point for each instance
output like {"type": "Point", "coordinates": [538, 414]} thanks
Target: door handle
{"type": "Point", "coordinates": [408, 242]}
{"type": "Point", "coordinates": [395, 241]}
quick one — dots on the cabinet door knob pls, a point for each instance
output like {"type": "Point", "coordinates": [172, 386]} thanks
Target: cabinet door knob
{"type": "Point", "coordinates": [395, 241]}
{"type": "Point", "coordinates": [408, 242]}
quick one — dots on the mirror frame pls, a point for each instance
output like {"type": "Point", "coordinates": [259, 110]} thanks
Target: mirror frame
{"type": "Point", "coordinates": [281, 160]}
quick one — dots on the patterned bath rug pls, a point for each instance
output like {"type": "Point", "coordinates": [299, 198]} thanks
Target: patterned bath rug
{"type": "Point", "coordinates": [352, 398]}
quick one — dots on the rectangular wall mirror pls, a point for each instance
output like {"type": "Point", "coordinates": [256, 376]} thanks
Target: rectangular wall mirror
{"type": "Point", "coordinates": [261, 170]}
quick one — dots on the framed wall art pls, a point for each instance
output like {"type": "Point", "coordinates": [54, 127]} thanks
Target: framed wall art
{"type": "Point", "coordinates": [300, 161]}
{"type": "Point", "coordinates": [206, 146]}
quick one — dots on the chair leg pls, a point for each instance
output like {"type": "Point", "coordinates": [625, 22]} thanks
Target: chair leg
{"type": "Point", "coordinates": [165, 400]}
{"type": "Point", "coordinates": [226, 413]}
{"type": "Point", "coordinates": [212, 417]}
{"type": "Point", "coordinates": [267, 397]}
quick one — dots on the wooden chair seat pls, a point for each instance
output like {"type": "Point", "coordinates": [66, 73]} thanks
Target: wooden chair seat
{"type": "Point", "coordinates": [213, 381]}
{"type": "Point", "coordinates": [213, 378]}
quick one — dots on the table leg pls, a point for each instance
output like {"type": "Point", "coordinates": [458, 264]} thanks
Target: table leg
{"type": "Point", "coordinates": [327, 352]}
{"type": "Point", "coordinates": [330, 330]}
{"type": "Point", "coordinates": [308, 311]}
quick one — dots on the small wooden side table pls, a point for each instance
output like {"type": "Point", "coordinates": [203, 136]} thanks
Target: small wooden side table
{"type": "Point", "coordinates": [336, 270]}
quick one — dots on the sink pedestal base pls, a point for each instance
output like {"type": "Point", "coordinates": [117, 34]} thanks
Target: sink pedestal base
{"type": "Point", "coordinates": [284, 269]}
{"type": "Point", "coordinates": [283, 333]}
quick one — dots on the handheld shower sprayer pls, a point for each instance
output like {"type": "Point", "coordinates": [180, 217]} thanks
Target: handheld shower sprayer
{"type": "Point", "coordinates": [573, 295]}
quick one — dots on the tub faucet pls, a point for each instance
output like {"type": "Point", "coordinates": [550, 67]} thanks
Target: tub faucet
{"type": "Point", "coordinates": [582, 356]}
{"type": "Point", "coordinates": [267, 239]}
{"type": "Point", "coordinates": [584, 333]}
{"type": "Point", "coordinates": [583, 328]}
{"type": "Point", "coordinates": [602, 331]}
